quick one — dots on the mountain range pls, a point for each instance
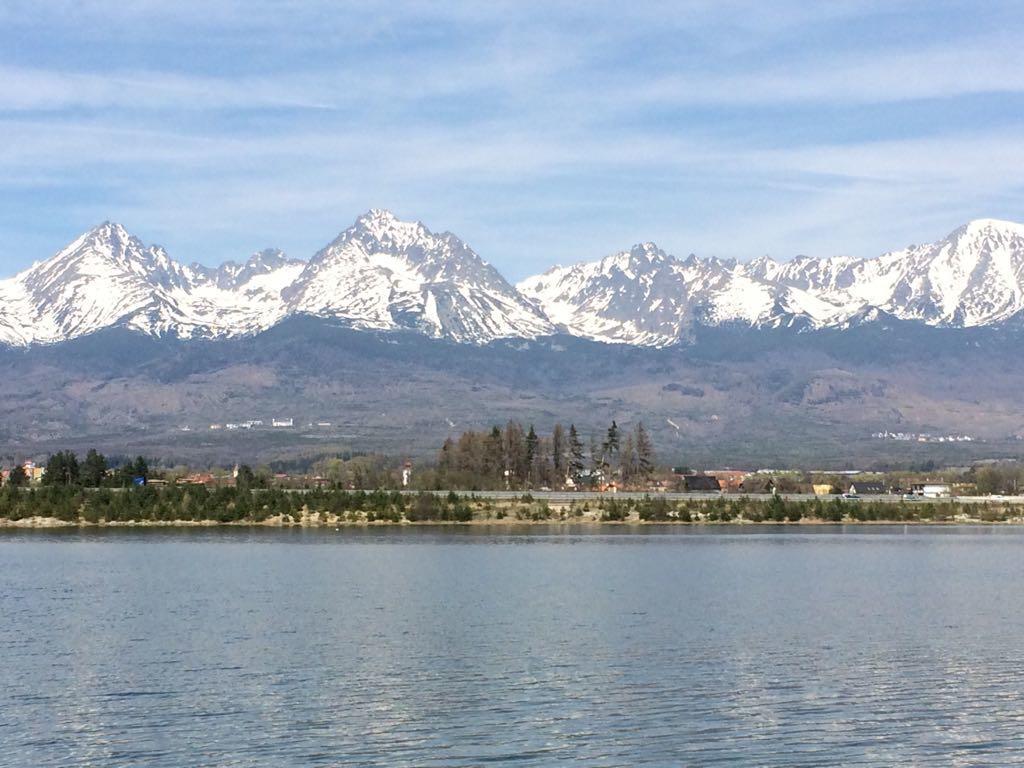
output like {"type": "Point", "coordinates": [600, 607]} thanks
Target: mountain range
{"type": "Point", "coordinates": [385, 274]}
{"type": "Point", "coordinates": [393, 337]}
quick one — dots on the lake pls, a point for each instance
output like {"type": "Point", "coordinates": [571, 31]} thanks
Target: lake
{"type": "Point", "coordinates": [599, 646]}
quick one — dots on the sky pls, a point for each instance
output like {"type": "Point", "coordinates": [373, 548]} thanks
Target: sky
{"type": "Point", "coordinates": [539, 132]}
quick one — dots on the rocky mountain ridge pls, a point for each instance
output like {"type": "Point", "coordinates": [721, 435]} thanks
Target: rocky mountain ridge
{"type": "Point", "coordinates": [385, 274]}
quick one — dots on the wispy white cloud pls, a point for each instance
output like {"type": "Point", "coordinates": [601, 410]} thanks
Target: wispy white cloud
{"type": "Point", "coordinates": [548, 132]}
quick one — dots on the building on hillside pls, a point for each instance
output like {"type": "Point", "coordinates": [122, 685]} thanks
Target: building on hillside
{"type": "Point", "coordinates": [822, 489]}
{"type": "Point", "coordinates": [282, 422]}
{"type": "Point", "coordinates": [868, 488]}
{"type": "Point", "coordinates": [701, 483]}
{"type": "Point", "coordinates": [730, 480]}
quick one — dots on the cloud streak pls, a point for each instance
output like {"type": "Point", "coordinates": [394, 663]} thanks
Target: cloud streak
{"type": "Point", "coordinates": [541, 133]}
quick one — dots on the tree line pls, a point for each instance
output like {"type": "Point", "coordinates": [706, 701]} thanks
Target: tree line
{"type": "Point", "coordinates": [239, 504]}
{"type": "Point", "coordinates": [64, 469]}
{"type": "Point", "coordinates": [514, 458]}
{"type": "Point", "coordinates": [230, 504]}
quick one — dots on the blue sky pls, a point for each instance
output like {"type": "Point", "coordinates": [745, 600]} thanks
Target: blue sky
{"type": "Point", "coordinates": [541, 133]}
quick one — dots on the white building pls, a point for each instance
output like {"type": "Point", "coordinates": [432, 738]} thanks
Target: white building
{"type": "Point", "coordinates": [282, 422]}
{"type": "Point", "coordinates": [936, 491]}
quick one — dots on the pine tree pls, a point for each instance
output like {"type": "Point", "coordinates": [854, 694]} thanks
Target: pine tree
{"type": "Point", "coordinates": [94, 469]}
{"type": "Point", "coordinates": [532, 452]}
{"type": "Point", "coordinates": [61, 469]}
{"type": "Point", "coordinates": [610, 447]}
{"type": "Point", "coordinates": [18, 477]}
{"type": "Point", "coordinates": [576, 464]}
{"type": "Point", "coordinates": [140, 468]}
{"type": "Point", "coordinates": [246, 478]}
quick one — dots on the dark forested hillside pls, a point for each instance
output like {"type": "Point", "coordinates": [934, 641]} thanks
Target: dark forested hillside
{"type": "Point", "coordinates": [731, 396]}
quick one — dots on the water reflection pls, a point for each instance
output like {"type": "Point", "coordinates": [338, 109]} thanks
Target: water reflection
{"type": "Point", "coordinates": [796, 645]}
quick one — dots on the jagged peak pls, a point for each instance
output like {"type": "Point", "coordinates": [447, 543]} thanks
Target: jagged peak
{"type": "Point", "coordinates": [988, 227]}
{"type": "Point", "coordinates": [762, 263]}
{"type": "Point", "coordinates": [385, 227]}
{"type": "Point", "coordinates": [270, 257]}
{"type": "Point", "coordinates": [649, 251]}
{"type": "Point", "coordinates": [108, 229]}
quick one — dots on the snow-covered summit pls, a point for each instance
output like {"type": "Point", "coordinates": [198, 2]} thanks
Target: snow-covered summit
{"type": "Point", "coordinates": [388, 274]}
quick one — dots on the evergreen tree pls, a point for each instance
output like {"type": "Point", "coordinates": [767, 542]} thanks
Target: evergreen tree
{"type": "Point", "coordinates": [532, 443]}
{"type": "Point", "coordinates": [611, 443]}
{"type": "Point", "coordinates": [18, 477]}
{"type": "Point", "coordinates": [61, 469]}
{"type": "Point", "coordinates": [246, 478]}
{"type": "Point", "coordinates": [94, 469]}
{"type": "Point", "coordinates": [532, 455]}
{"type": "Point", "coordinates": [610, 447]}
{"type": "Point", "coordinates": [140, 468]}
{"type": "Point", "coordinates": [576, 463]}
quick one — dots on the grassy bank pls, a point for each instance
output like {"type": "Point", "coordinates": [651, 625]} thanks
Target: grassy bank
{"type": "Point", "coordinates": [197, 505]}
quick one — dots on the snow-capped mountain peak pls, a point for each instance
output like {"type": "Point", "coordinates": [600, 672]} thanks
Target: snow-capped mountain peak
{"type": "Point", "coordinates": [385, 273]}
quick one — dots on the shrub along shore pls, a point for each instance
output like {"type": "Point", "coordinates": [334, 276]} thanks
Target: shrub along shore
{"type": "Point", "coordinates": [198, 505]}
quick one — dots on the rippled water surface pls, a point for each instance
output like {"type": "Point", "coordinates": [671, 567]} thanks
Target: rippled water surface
{"type": "Point", "coordinates": [433, 647]}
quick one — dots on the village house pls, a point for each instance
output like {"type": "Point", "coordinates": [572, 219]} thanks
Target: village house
{"type": "Point", "coordinates": [932, 490]}
{"type": "Point", "coordinates": [730, 480]}
{"type": "Point", "coordinates": [868, 488]}
{"type": "Point", "coordinates": [700, 483]}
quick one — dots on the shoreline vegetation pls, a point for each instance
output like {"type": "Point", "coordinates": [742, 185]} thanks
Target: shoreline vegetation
{"type": "Point", "coordinates": [191, 506]}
